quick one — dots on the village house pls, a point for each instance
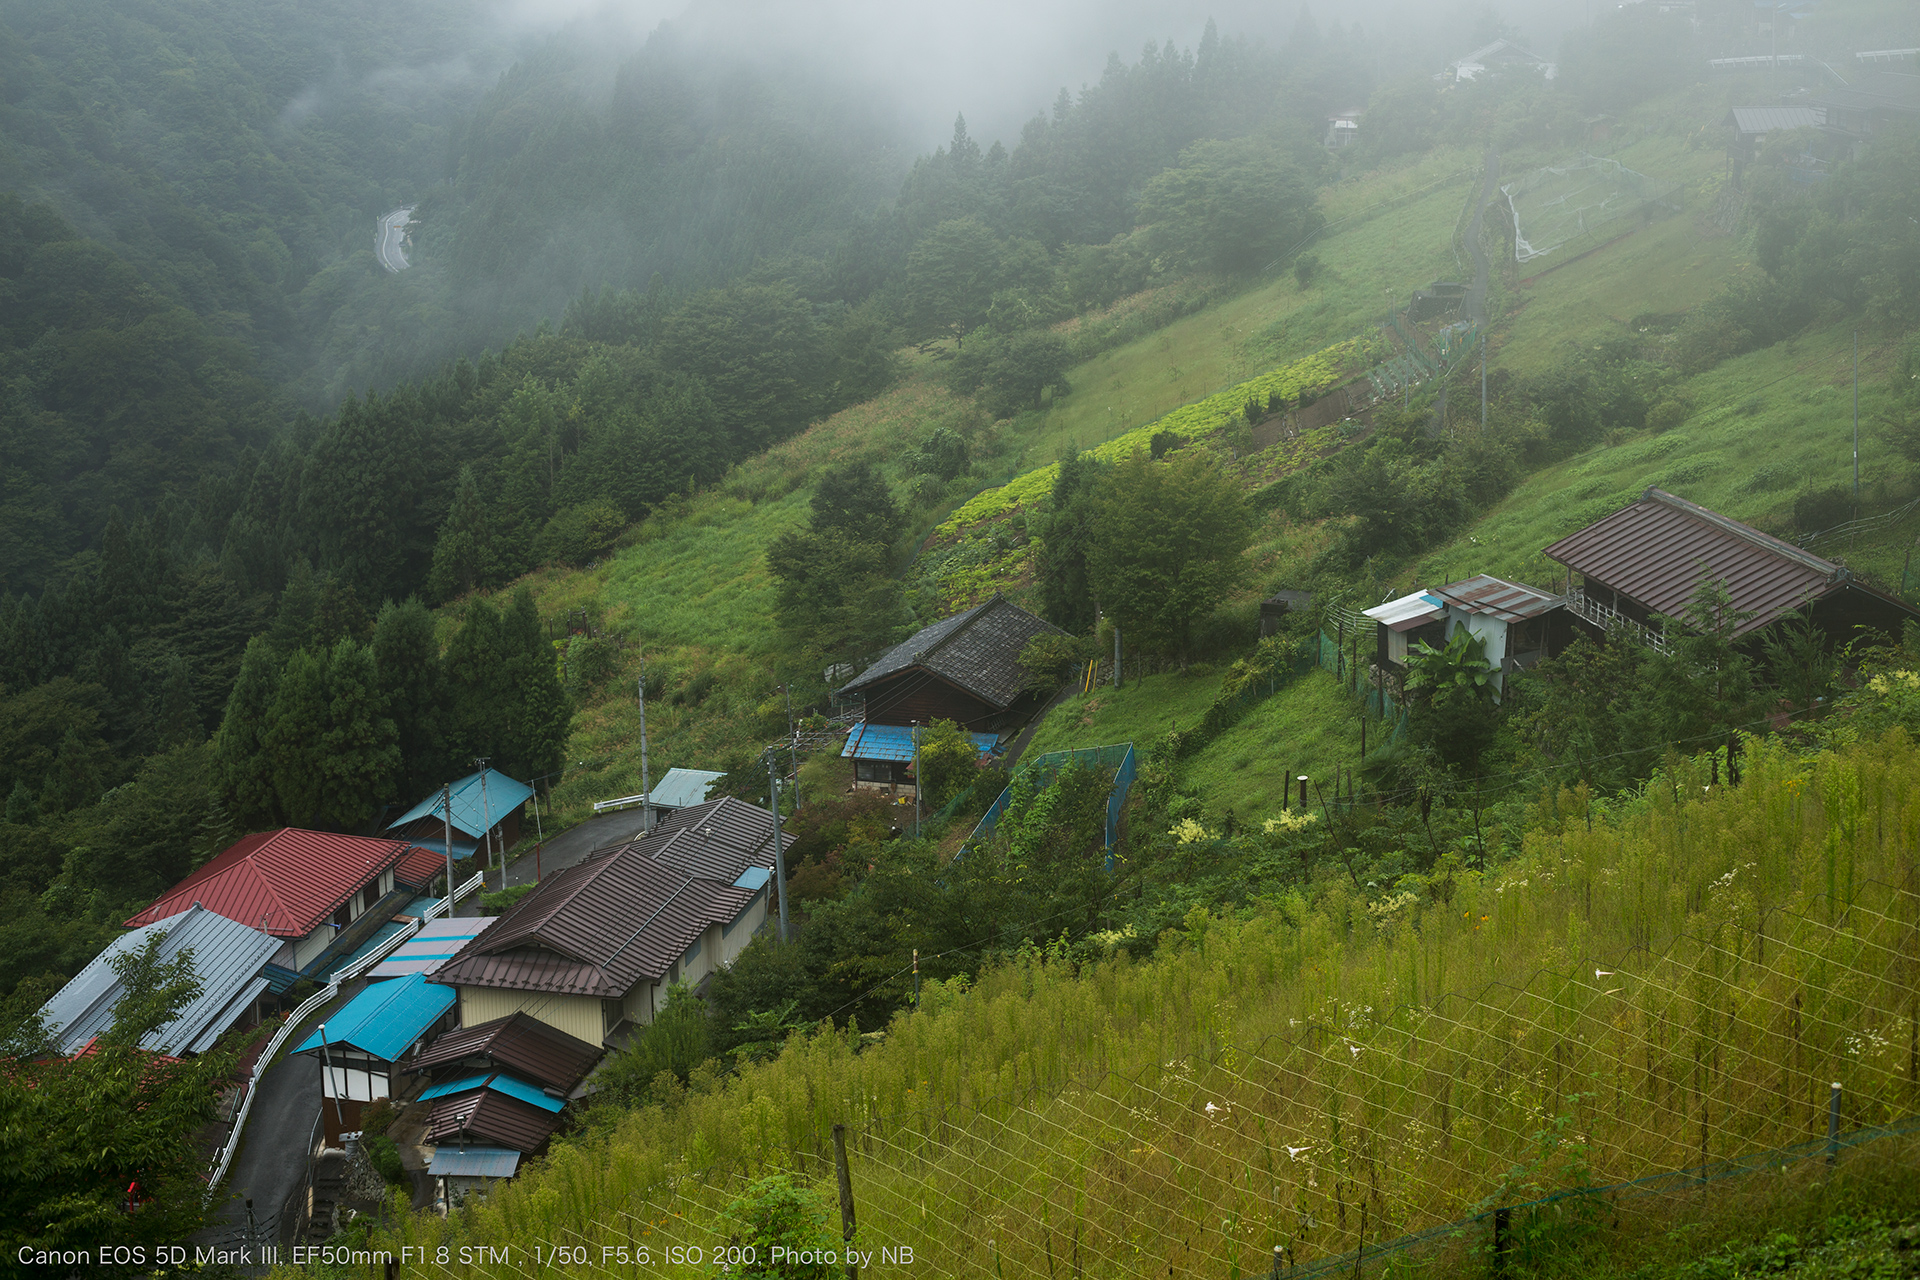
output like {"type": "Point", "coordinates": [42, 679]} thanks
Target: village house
{"type": "Point", "coordinates": [491, 803]}
{"type": "Point", "coordinates": [1646, 561]}
{"type": "Point", "coordinates": [1518, 625]}
{"type": "Point", "coordinates": [229, 960]}
{"type": "Point", "coordinates": [322, 894]}
{"type": "Point", "coordinates": [363, 1044]}
{"type": "Point", "coordinates": [593, 950]}
{"type": "Point", "coordinates": [965, 668]}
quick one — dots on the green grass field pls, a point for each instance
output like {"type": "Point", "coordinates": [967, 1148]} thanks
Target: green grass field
{"type": "Point", "coordinates": [1141, 711]}
{"type": "Point", "coordinates": [1311, 726]}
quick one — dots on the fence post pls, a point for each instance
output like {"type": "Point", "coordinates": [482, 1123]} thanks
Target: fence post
{"type": "Point", "coordinates": [846, 1197]}
{"type": "Point", "coordinates": [1833, 1123]}
{"type": "Point", "coordinates": [1502, 1240]}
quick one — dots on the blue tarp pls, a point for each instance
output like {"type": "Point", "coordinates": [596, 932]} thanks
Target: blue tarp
{"type": "Point", "coordinates": [386, 1017]}
{"type": "Point", "coordinates": [895, 742]}
{"type": "Point", "coordinates": [473, 813]}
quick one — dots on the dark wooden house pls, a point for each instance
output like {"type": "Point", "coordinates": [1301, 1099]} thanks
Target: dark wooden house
{"type": "Point", "coordinates": [965, 668]}
{"type": "Point", "coordinates": [1647, 560]}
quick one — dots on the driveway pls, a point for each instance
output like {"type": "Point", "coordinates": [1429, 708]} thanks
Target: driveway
{"type": "Point", "coordinates": [575, 843]}
{"type": "Point", "coordinates": [272, 1160]}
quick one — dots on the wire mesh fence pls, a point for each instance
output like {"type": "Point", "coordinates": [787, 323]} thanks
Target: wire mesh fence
{"type": "Point", "coordinates": [1650, 1005]}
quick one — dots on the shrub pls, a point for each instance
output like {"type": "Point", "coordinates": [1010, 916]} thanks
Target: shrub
{"type": "Point", "coordinates": [581, 532]}
{"type": "Point", "coordinates": [1305, 268]}
{"type": "Point", "coordinates": [384, 1156]}
{"type": "Point", "coordinates": [1819, 509]}
{"type": "Point", "coordinates": [498, 903]}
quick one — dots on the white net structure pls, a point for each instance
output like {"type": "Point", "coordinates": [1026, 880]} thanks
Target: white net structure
{"type": "Point", "coordinates": [1563, 204]}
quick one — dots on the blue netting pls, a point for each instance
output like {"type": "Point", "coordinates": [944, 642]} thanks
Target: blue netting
{"type": "Point", "coordinates": [1044, 769]}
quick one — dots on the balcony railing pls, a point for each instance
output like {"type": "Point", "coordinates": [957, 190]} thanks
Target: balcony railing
{"type": "Point", "coordinates": [1611, 619]}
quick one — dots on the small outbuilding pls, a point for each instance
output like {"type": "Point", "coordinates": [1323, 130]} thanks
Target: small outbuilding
{"type": "Point", "coordinates": [965, 668]}
{"type": "Point", "coordinates": [488, 802]}
{"type": "Point", "coordinates": [1518, 625]}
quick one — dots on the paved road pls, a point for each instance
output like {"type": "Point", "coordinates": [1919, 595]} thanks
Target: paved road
{"type": "Point", "coordinates": [390, 245]}
{"type": "Point", "coordinates": [563, 850]}
{"type": "Point", "coordinates": [272, 1160]}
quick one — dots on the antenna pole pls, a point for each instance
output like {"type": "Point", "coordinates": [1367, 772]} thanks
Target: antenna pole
{"type": "Point", "coordinates": [486, 816]}
{"type": "Point", "coordinates": [1856, 424]}
{"type": "Point", "coordinates": [446, 836]}
{"type": "Point", "coordinates": [646, 778]}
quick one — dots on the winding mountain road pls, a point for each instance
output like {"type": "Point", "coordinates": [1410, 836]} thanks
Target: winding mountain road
{"type": "Point", "coordinates": [390, 244]}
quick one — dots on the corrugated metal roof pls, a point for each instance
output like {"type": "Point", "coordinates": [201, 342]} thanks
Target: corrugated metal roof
{"type": "Point", "coordinates": [476, 809]}
{"type": "Point", "coordinates": [1507, 601]}
{"type": "Point", "coordinates": [1767, 119]}
{"type": "Point", "coordinates": [490, 1117]}
{"type": "Point", "coordinates": [437, 942]}
{"type": "Point", "coordinates": [529, 1046]}
{"type": "Point", "coordinates": [683, 788]}
{"type": "Point", "coordinates": [1879, 91]}
{"type": "Point", "coordinates": [385, 1017]}
{"type": "Point", "coordinates": [1657, 551]}
{"type": "Point", "coordinates": [754, 878]}
{"type": "Point", "coordinates": [1408, 612]}
{"type": "Point", "coordinates": [978, 650]}
{"type": "Point", "coordinates": [473, 1162]}
{"type": "Point", "coordinates": [713, 841]}
{"type": "Point", "coordinates": [285, 882]}
{"type": "Point", "coordinates": [500, 1081]}
{"type": "Point", "coordinates": [227, 958]}
{"type": "Point", "coordinates": [895, 742]}
{"type": "Point", "coordinates": [421, 864]}
{"type": "Point", "coordinates": [217, 1025]}
{"type": "Point", "coordinates": [596, 928]}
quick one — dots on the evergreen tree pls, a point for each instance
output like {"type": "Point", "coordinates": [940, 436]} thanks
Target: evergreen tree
{"type": "Point", "coordinates": [356, 484]}
{"type": "Point", "coordinates": [359, 753]}
{"type": "Point", "coordinates": [1066, 593]}
{"type": "Point", "coordinates": [413, 685]}
{"type": "Point", "coordinates": [242, 768]}
{"type": "Point", "coordinates": [290, 739]}
{"type": "Point", "coordinates": [479, 702]}
{"type": "Point", "coordinates": [852, 503]}
{"type": "Point", "coordinates": [175, 718]}
{"type": "Point", "coordinates": [537, 741]}
{"type": "Point", "coordinates": [299, 604]}
{"type": "Point", "coordinates": [463, 554]}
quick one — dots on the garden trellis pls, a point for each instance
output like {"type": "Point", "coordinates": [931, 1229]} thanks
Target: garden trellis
{"type": "Point", "coordinates": [1665, 999]}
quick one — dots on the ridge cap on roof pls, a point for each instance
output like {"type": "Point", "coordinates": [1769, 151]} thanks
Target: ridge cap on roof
{"type": "Point", "coordinates": [1746, 533]}
{"type": "Point", "coordinates": [968, 618]}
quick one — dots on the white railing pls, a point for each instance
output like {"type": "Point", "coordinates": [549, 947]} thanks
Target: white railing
{"type": "Point", "coordinates": [1607, 618]}
{"type": "Point", "coordinates": [608, 806]}
{"type": "Point", "coordinates": [317, 1000]}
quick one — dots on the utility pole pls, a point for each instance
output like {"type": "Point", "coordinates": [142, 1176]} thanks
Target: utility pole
{"type": "Point", "coordinates": [486, 817]}
{"type": "Point", "coordinates": [446, 836]}
{"type": "Point", "coordinates": [1116, 655]}
{"type": "Point", "coordinates": [1483, 381]}
{"type": "Point", "coordinates": [793, 747]}
{"type": "Point", "coordinates": [779, 858]}
{"type": "Point", "coordinates": [646, 779]}
{"type": "Point", "coordinates": [327, 1059]}
{"type": "Point", "coordinates": [915, 730]}
{"type": "Point", "coordinates": [1856, 424]}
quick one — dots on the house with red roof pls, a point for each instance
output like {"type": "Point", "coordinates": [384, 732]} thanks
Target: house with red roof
{"type": "Point", "coordinates": [318, 891]}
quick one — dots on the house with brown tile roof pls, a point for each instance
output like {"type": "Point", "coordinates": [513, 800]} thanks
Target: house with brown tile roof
{"type": "Point", "coordinates": [598, 944]}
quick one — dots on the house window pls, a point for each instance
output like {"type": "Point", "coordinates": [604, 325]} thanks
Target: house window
{"type": "Point", "coordinates": [344, 916]}
{"type": "Point", "coordinates": [876, 771]}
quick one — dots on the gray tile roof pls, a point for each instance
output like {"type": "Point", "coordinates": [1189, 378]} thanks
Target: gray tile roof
{"type": "Point", "coordinates": [978, 650]}
{"type": "Point", "coordinates": [227, 958]}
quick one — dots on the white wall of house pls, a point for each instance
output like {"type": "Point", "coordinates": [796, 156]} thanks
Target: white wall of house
{"type": "Point", "coordinates": [735, 937]}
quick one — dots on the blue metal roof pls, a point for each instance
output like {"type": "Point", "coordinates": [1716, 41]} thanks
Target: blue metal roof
{"type": "Point", "coordinates": [895, 742]}
{"type": "Point", "coordinates": [473, 1162]}
{"type": "Point", "coordinates": [499, 1082]}
{"type": "Point", "coordinates": [386, 1017]}
{"type": "Point", "coordinates": [683, 788]}
{"type": "Point", "coordinates": [473, 813]}
{"type": "Point", "coordinates": [227, 958]}
{"type": "Point", "coordinates": [753, 878]}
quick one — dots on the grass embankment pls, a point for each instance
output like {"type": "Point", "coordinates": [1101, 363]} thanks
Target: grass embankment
{"type": "Point", "coordinates": [1672, 988]}
{"type": "Point", "coordinates": [1766, 427]}
{"type": "Point", "coordinates": [1140, 711]}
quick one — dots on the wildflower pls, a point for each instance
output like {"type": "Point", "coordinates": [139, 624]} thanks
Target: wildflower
{"type": "Point", "coordinates": [1187, 831]}
{"type": "Point", "coordinates": [1289, 822]}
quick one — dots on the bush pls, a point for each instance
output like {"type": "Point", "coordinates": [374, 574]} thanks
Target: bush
{"type": "Point", "coordinates": [498, 903]}
{"type": "Point", "coordinates": [1819, 509]}
{"type": "Point", "coordinates": [1305, 268]}
{"type": "Point", "coordinates": [591, 662]}
{"type": "Point", "coordinates": [1050, 659]}
{"type": "Point", "coordinates": [581, 532]}
{"type": "Point", "coordinates": [384, 1156]}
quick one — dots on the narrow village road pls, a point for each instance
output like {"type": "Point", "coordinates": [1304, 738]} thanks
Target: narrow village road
{"type": "Point", "coordinates": [390, 243]}
{"type": "Point", "coordinates": [272, 1160]}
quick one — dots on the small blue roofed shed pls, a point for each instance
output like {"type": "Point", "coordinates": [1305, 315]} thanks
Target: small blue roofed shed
{"type": "Point", "coordinates": [476, 810]}
{"type": "Point", "coordinates": [895, 742]}
{"type": "Point", "coordinates": [385, 1019]}
{"type": "Point", "coordinates": [882, 756]}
